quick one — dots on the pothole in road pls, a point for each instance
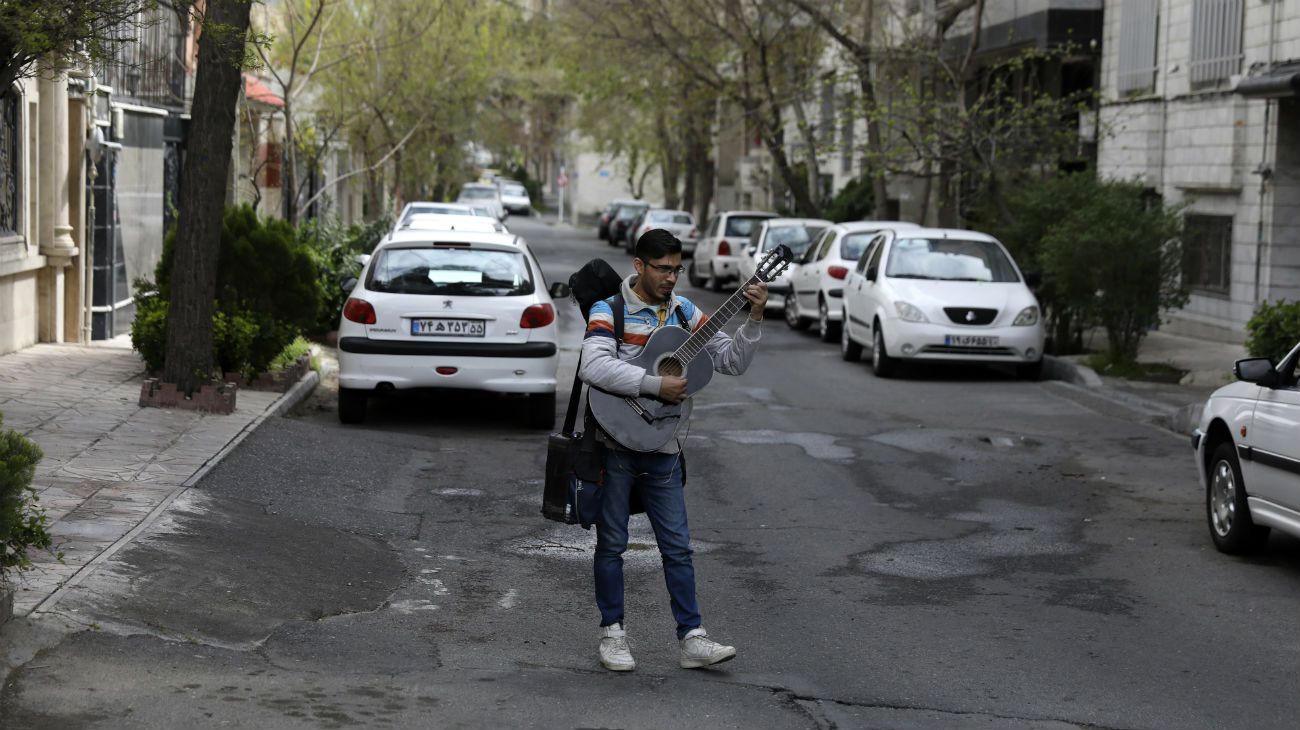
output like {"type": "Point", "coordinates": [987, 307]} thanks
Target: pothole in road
{"type": "Point", "coordinates": [1012, 531]}
{"type": "Point", "coordinates": [816, 445]}
{"type": "Point", "coordinates": [570, 542]}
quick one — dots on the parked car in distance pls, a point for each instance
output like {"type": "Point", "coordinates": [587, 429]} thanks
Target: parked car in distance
{"type": "Point", "coordinates": [942, 295]}
{"type": "Point", "coordinates": [450, 309]}
{"type": "Point", "coordinates": [622, 219]}
{"type": "Point", "coordinates": [439, 222]}
{"type": "Point", "coordinates": [797, 233]}
{"type": "Point", "coordinates": [817, 281]}
{"type": "Point", "coordinates": [514, 197]}
{"type": "Point", "coordinates": [431, 208]}
{"type": "Point", "coordinates": [483, 194]}
{"type": "Point", "coordinates": [716, 260]}
{"type": "Point", "coordinates": [677, 222]}
{"type": "Point", "coordinates": [1248, 456]}
{"type": "Point", "coordinates": [607, 215]}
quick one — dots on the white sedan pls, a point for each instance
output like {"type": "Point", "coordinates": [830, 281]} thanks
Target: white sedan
{"type": "Point", "coordinates": [450, 309]}
{"type": "Point", "coordinates": [940, 295]}
{"type": "Point", "coordinates": [817, 283]}
{"type": "Point", "coordinates": [797, 233]}
{"type": "Point", "coordinates": [1248, 456]}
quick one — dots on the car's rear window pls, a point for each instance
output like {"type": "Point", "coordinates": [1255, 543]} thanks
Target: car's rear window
{"type": "Point", "coordinates": [949, 260]}
{"type": "Point", "coordinates": [852, 245]}
{"type": "Point", "coordinates": [670, 218]}
{"type": "Point", "coordinates": [478, 193]}
{"type": "Point", "coordinates": [446, 270]}
{"type": "Point", "coordinates": [518, 190]}
{"type": "Point", "coordinates": [798, 238]}
{"type": "Point", "coordinates": [628, 212]}
{"type": "Point", "coordinates": [741, 225]}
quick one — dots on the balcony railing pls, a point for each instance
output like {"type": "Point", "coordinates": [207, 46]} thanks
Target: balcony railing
{"type": "Point", "coordinates": [151, 64]}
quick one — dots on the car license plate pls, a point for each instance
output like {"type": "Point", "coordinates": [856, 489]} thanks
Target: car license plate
{"type": "Point", "coordinates": [970, 340]}
{"type": "Point", "coordinates": [448, 327]}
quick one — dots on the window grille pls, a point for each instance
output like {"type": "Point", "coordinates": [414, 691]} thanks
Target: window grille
{"type": "Point", "coordinates": [1207, 253]}
{"type": "Point", "coordinates": [10, 170]}
{"type": "Point", "coordinates": [1139, 26]}
{"type": "Point", "coordinates": [1216, 41]}
{"type": "Point", "coordinates": [150, 64]}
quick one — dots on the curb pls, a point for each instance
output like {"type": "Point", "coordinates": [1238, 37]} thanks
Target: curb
{"type": "Point", "coordinates": [284, 403]}
{"type": "Point", "coordinates": [1177, 419]}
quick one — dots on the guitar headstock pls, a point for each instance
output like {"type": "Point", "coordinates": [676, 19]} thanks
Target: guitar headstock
{"type": "Point", "coordinates": [776, 261]}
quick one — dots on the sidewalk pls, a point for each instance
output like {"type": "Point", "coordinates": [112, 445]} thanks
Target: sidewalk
{"type": "Point", "coordinates": [110, 466]}
{"type": "Point", "coordinates": [1176, 407]}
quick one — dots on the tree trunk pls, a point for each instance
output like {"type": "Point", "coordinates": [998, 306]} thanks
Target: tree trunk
{"type": "Point", "coordinates": [810, 152]}
{"type": "Point", "coordinates": [202, 200]}
{"type": "Point", "coordinates": [797, 185]}
{"type": "Point", "coordinates": [670, 158]}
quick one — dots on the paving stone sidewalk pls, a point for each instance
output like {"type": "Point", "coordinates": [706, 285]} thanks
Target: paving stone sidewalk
{"type": "Point", "coordinates": [110, 466]}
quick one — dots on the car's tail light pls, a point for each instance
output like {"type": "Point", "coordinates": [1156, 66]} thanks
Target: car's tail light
{"type": "Point", "coordinates": [695, 232]}
{"type": "Point", "coordinates": [538, 315]}
{"type": "Point", "coordinates": [837, 272]}
{"type": "Point", "coordinates": [604, 218]}
{"type": "Point", "coordinates": [724, 248]}
{"type": "Point", "coordinates": [359, 311]}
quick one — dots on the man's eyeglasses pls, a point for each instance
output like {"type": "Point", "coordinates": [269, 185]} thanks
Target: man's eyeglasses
{"type": "Point", "coordinates": [666, 270]}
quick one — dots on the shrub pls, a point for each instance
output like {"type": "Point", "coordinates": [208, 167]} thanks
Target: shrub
{"type": "Point", "coordinates": [1273, 329]}
{"type": "Point", "coordinates": [334, 248]}
{"type": "Point", "coordinates": [23, 525]}
{"type": "Point", "coordinates": [853, 203]}
{"type": "Point", "coordinates": [268, 286]}
{"type": "Point", "coordinates": [149, 328]}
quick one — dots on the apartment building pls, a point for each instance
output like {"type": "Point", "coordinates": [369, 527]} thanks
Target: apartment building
{"type": "Point", "coordinates": [1200, 103]}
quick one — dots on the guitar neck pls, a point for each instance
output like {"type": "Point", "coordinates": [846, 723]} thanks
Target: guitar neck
{"type": "Point", "coordinates": [695, 345]}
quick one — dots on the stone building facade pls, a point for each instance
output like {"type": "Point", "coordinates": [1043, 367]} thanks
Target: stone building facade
{"type": "Point", "coordinates": [1199, 102]}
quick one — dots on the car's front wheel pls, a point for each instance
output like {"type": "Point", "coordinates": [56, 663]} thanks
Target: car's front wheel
{"type": "Point", "coordinates": [693, 275]}
{"type": "Point", "coordinates": [1226, 509]}
{"type": "Point", "coordinates": [352, 405]}
{"type": "Point", "coordinates": [850, 350]}
{"type": "Point", "coordinates": [541, 410]}
{"type": "Point", "coordinates": [882, 364]}
{"type": "Point", "coordinates": [1030, 371]}
{"type": "Point", "coordinates": [792, 318]}
{"type": "Point", "coordinates": [715, 281]}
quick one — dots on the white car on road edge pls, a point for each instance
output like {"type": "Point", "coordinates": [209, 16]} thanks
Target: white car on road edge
{"type": "Point", "coordinates": [450, 309]}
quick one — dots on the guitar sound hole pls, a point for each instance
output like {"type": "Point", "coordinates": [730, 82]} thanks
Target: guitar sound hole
{"type": "Point", "coordinates": [670, 366]}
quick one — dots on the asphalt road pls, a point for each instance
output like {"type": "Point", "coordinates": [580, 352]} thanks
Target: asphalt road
{"type": "Point", "coordinates": [952, 549]}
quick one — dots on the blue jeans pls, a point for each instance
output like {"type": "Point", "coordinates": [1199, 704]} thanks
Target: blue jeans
{"type": "Point", "coordinates": [658, 480]}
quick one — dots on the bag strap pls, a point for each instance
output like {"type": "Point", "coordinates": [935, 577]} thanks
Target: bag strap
{"type": "Point", "coordinates": [571, 415]}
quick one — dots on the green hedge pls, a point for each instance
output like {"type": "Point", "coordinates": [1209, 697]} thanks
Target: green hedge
{"type": "Point", "coordinates": [22, 524]}
{"type": "Point", "coordinates": [334, 248]}
{"type": "Point", "coordinates": [269, 291]}
{"type": "Point", "coordinates": [1273, 329]}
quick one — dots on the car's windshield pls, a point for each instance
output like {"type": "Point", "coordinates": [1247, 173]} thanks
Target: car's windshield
{"type": "Point", "coordinates": [476, 192]}
{"type": "Point", "coordinates": [948, 259]}
{"type": "Point", "coordinates": [741, 226]}
{"type": "Point", "coordinates": [798, 238]}
{"type": "Point", "coordinates": [515, 190]}
{"type": "Point", "coordinates": [446, 270]}
{"type": "Point", "coordinates": [853, 244]}
{"type": "Point", "coordinates": [669, 217]}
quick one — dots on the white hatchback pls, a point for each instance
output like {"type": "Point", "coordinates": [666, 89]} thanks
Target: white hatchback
{"type": "Point", "coordinates": [450, 309]}
{"type": "Point", "coordinates": [716, 258]}
{"type": "Point", "coordinates": [942, 295]}
{"type": "Point", "coordinates": [797, 233]}
{"type": "Point", "coordinates": [1248, 457]}
{"type": "Point", "coordinates": [817, 282]}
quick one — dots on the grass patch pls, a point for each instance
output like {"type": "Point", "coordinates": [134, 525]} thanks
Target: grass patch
{"type": "Point", "coordinates": [290, 353]}
{"type": "Point", "coordinates": [1154, 372]}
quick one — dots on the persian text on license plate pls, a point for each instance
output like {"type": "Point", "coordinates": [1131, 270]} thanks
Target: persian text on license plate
{"type": "Point", "coordinates": [448, 327]}
{"type": "Point", "coordinates": [970, 340]}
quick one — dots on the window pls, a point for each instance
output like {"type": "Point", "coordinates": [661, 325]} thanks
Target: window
{"type": "Point", "coordinates": [463, 271]}
{"type": "Point", "coordinates": [826, 246]}
{"type": "Point", "coordinates": [712, 229]}
{"type": "Point", "coordinates": [1216, 41]}
{"type": "Point", "coordinates": [949, 259]}
{"type": "Point", "coordinates": [826, 130]}
{"type": "Point", "coordinates": [1207, 253]}
{"type": "Point", "coordinates": [1139, 24]}
{"type": "Point", "coordinates": [10, 170]}
{"type": "Point", "coordinates": [738, 226]}
{"type": "Point", "coordinates": [876, 243]}
{"type": "Point", "coordinates": [875, 257]}
{"type": "Point", "coordinates": [820, 244]}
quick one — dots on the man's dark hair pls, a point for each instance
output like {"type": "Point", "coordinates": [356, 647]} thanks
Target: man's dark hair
{"type": "Point", "coordinates": [657, 243]}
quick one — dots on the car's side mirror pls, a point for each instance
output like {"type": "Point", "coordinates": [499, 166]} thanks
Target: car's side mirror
{"type": "Point", "coordinates": [362, 259]}
{"type": "Point", "coordinates": [1257, 370]}
{"type": "Point", "coordinates": [559, 290]}
{"type": "Point", "coordinates": [348, 283]}
{"type": "Point", "coordinates": [1033, 279]}
{"type": "Point", "coordinates": [873, 272]}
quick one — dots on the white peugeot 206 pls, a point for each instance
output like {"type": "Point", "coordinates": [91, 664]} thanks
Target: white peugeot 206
{"type": "Point", "coordinates": [938, 294]}
{"type": "Point", "coordinates": [460, 310]}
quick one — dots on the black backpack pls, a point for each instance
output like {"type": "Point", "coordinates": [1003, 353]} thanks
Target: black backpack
{"type": "Point", "coordinates": [596, 280]}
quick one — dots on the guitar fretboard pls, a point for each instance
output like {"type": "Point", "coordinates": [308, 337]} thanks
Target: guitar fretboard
{"type": "Point", "coordinates": [693, 346]}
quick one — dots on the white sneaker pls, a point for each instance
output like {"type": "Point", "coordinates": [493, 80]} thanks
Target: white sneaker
{"type": "Point", "coordinates": [615, 655]}
{"type": "Point", "coordinates": [698, 650]}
